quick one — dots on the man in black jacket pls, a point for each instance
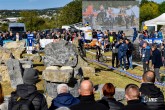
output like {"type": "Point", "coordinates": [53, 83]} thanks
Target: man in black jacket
{"type": "Point", "coordinates": [115, 54]}
{"type": "Point", "coordinates": [26, 90]}
{"type": "Point", "coordinates": [87, 101]}
{"type": "Point", "coordinates": [150, 94]}
{"type": "Point", "coordinates": [129, 53]}
{"type": "Point", "coordinates": [156, 61]}
{"type": "Point", "coordinates": [132, 96]}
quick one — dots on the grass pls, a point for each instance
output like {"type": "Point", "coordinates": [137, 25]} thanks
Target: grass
{"type": "Point", "coordinates": [103, 75]}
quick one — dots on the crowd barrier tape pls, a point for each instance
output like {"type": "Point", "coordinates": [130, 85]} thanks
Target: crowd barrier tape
{"type": "Point", "coordinates": [125, 72]}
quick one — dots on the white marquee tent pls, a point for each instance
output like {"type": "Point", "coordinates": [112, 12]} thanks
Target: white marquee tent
{"type": "Point", "coordinates": [160, 20]}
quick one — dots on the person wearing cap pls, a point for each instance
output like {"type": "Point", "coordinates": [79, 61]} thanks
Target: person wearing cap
{"type": "Point", "coordinates": [26, 90]}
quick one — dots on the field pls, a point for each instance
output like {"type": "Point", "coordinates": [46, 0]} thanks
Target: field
{"type": "Point", "coordinates": [103, 75]}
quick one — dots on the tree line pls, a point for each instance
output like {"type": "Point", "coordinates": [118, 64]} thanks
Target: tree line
{"type": "Point", "coordinates": [69, 14]}
{"type": "Point", "coordinates": [150, 10]}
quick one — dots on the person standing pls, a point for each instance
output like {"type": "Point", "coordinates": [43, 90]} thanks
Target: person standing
{"type": "Point", "coordinates": [132, 95]}
{"type": "Point", "coordinates": [163, 52]}
{"type": "Point", "coordinates": [115, 54]}
{"type": "Point", "coordinates": [150, 93]}
{"type": "Point", "coordinates": [87, 100]}
{"type": "Point", "coordinates": [145, 54]}
{"type": "Point", "coordinates": [122, 49]}
{"type": "Point", "coordinates": [28, 91]}
{"type": "Point", "coordinates": [129, 53]}
{"type": "Point", "coordinates": [64, 98]}
{"type": "Point", "coordinates": [108, 98]}
{"type": "Point", "coordinates": [156, 61]}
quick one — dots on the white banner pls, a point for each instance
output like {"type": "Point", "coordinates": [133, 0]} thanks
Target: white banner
{"type": "Point", "coordinates": [44, 42]}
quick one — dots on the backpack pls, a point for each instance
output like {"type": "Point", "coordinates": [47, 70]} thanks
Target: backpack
{"type": "Point", "coordinates": [24, 104]}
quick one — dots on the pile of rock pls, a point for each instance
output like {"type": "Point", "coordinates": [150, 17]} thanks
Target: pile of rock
{"type": "Point", "coordinates": [61, 61]}
{"type": "Point", "coordinates": [16, 48]}
{"type": "Point", "coordinates": [11, 68]}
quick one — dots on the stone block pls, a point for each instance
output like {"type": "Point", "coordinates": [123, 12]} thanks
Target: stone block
{"type": "Point", "coordinates": [15, 72]}
{"type": "Point", "coordinates": [60, 75]}
{"type": "Point", "coordinates": [4, 73]}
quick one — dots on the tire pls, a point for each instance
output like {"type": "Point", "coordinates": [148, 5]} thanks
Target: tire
{"type": "Point", "coordinates": [83, 52]}
{"type": "Point", "coordinates": [102, 58]}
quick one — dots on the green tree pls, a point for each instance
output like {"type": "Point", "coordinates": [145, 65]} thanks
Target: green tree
{"type": "Point", "coordinates": [70, 14]}
{"type": "Point", "coordinates": [31, 20]}
{"type": "Point", "coordinates": [162, 7]}
{"type": "Point", "coordinates": [148, 11]}
{"type": "Point", "coordinates": [4, 27]}
{"type": "Point", "coordinates": [143, 2]}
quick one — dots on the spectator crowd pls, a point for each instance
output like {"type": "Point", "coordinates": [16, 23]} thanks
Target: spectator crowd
{"type": "Point", "coordinates": [147, 96]}
{"type": "Point", "coordinates": [26, 96]}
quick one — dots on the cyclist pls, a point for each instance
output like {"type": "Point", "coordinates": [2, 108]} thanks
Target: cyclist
{"type": "Point", "coordinates": [81, 45]}
{"type": "Point", "coordinates": [98, 50]}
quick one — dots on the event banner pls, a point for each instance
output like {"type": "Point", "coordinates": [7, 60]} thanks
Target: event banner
{"type": "Point", "coordinates": [111, 14]}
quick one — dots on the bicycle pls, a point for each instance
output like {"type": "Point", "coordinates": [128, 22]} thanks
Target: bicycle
{"type": "Point", "coordinates": [99, 56]}
{"type": "Point", "coordinates": [82, 51]}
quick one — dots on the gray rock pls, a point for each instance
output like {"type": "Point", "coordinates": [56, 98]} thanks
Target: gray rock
{"type": "Point", "coordinates": [15, 44]}
{"type": "Point", "coordinates": [51, 88]}
{"type": "Point", "coordinates": [119, 92]}
{"type": "Point", "coordinates": [15, 72]}
{"type": "Point", "coordinates": [4, 76]}
{"type": "Point", "coordinates": [26, 64]}
{"type": "Point", "coordinates": [60, 75]}
{"type": "Point", "coordinates": [61, 53]}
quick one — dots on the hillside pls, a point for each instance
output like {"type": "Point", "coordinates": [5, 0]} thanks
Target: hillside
{"type": "Point", "coordinates": [16, 13]}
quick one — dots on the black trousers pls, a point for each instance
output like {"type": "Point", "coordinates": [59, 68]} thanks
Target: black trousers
{"type": "Point", "coordinates": [145, 67]}
{"type": "Point", "coordinates": [115, 57]}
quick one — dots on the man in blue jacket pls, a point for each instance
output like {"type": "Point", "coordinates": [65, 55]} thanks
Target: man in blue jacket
{"type": "Point", "coordinates": [122, 49]}
{"type": "Point", "coordinates": [145, 54]}
{"type": "Point", "coordinates": [64, 98]}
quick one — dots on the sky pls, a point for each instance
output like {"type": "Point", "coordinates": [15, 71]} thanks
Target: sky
{"type": "Point", "coordinates": [158, 1]}
{"type": "Point", "coordinates": [32, 4]}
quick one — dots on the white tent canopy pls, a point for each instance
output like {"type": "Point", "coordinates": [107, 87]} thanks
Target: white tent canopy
{"type": "Point", "coordinates": [160, 20]}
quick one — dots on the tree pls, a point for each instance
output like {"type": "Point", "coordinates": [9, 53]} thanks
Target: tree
{"type": "Point", "coordinates": [148, 11]}
{"type": "Point", "coordinates": [4, 27]}
{"type": "Point", "coordinates": [143, 2]}
{"type": "Point", "coordinates": [31, 20]}
{"type": "Point", "coordinates": [162, 7]}
{"type": "Point", "coordinates": [70, 14]}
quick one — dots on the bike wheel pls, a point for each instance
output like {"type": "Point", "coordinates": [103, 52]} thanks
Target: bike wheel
{"type": "Point", "coordinates": [102, 58]}
{"type": "Point", "coordinates": [83, 52]}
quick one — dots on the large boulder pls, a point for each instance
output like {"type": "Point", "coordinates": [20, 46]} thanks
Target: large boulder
{"type": "Point", "coordinates": [15, 44]}
{"type": "Point", "coordinates": [4, 74]}
{"type": "Point", "coordinates": [15, 72]}
{"type": "Point", "coordinates": [16, 48]}
{"type": "Point", "coordinates": [58, 75]}
{"type": "Point", "coordinates": [61, 53]}
{"type": "Point", "coordinates": [33, 57]}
